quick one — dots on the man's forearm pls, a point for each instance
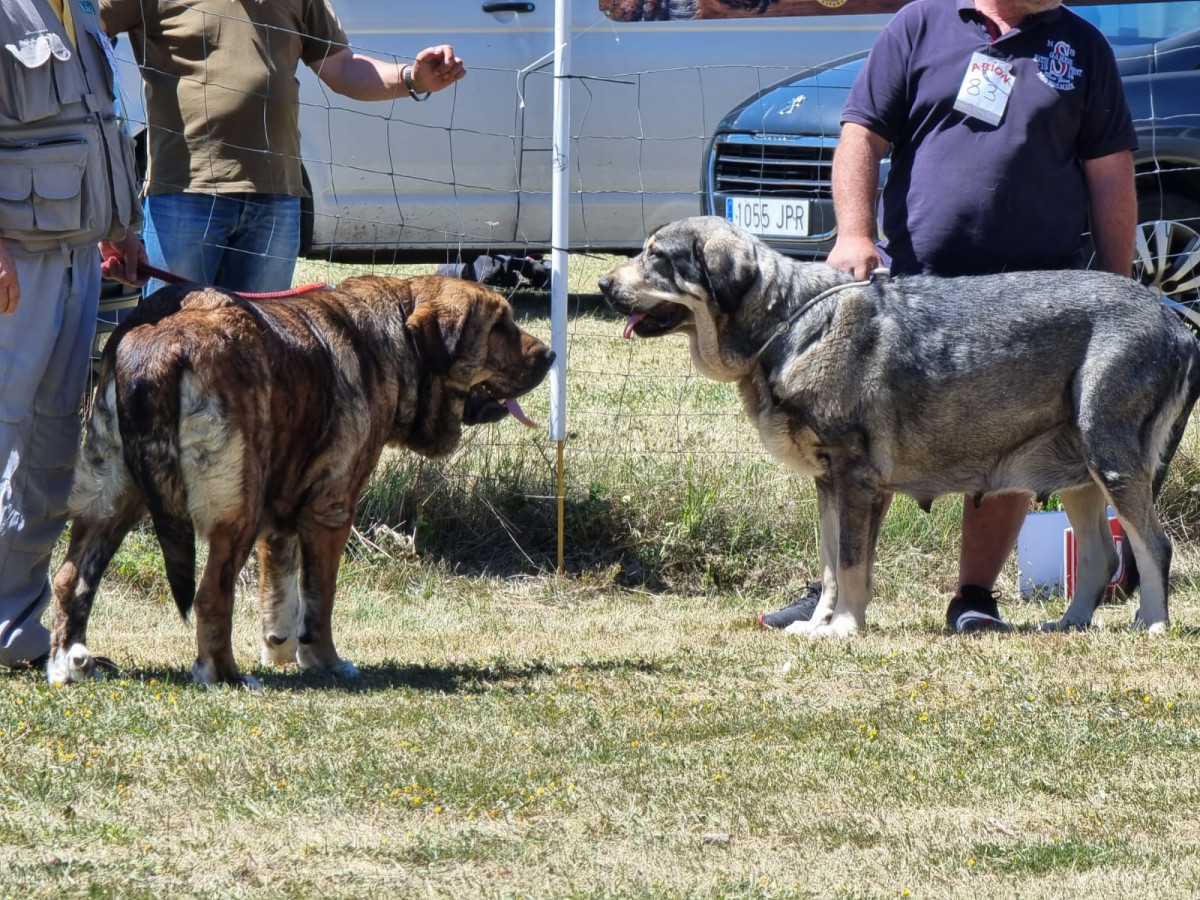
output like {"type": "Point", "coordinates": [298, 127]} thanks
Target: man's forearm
{"type": "Point", "coordinates": [856, 181]}
{"type": "Point", "coordinates": [1112, 200]}
{"type": "Point", "coordinates": [366, 78]}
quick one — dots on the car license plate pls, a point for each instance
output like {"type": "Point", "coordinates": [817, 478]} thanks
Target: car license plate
{"type": "Point", "coordinates": [759, 215]}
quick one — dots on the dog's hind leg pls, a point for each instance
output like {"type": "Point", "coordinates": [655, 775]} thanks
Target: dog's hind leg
{"type": "Point", "coordinates": [1131, 498]}
{"type": "Point", "coordinates": [229, 545]}
{"type": "Point", "coordinates": [321, 548]}
{"type": "Point", "coordinates": [1085, 507]}
{"type": "Point", "coordinates": [104, 505]}
{"type": "Point", "coordinates": [93, 542]}
{"type": "Point", "coordinates": [279, 597]}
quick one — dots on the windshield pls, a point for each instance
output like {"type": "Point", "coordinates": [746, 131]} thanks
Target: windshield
{"type": "Point", "coordinates": [1141, 23]}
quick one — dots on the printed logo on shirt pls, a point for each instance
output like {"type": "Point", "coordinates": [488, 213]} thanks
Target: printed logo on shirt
{"type": "Point", "coordinates": [87, 8]}
{"type": "Point", "coordinates": [1057, 68]}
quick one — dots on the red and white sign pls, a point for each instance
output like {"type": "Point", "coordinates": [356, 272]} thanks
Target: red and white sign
{"type": "Point", "coordinates": [1071, 558]}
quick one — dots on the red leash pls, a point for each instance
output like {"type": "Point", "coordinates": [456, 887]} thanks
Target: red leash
{"type": "Point", "coordinates": [170, 278]}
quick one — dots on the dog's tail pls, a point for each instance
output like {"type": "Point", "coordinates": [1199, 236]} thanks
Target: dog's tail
{"type": "Point", "coordinates": [1190, 392]}
{"type": "Point", "coordinates": [148, 410]}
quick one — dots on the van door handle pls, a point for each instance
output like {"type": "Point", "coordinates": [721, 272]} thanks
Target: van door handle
{"type": "Point", "coordinates": [507, 7]}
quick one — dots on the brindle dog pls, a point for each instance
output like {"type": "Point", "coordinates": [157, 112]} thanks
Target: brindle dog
{"type": "Point", "coordinates": [245, 421]}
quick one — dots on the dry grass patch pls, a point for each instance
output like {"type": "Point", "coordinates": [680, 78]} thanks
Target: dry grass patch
{"type": "Point", "coordinates": [541, 737]}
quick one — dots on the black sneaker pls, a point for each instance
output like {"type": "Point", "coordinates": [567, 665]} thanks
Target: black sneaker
{"type": "Point", "coordinates": [28, 664]}
{"type": "Point", "coordinates": [975, 610]}
{"type": "Point", "coordinates": [799, 611]}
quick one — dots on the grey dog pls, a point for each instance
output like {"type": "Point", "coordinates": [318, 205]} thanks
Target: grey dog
{"type": "Point", "coordinates": [1073, 382]}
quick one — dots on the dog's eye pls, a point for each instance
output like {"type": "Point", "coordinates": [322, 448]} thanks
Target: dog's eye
{"type": "Point", "coordinates": [657, 259]}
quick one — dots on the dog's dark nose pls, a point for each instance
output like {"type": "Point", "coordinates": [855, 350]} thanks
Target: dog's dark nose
{"type": "Point", "coordinates": [605, 283]}
{"type": "Point", "coordinates": [548, 357]}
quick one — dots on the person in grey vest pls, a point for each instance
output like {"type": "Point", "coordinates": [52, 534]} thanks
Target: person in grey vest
{"type": "Point", "coordinates": [67, 183]}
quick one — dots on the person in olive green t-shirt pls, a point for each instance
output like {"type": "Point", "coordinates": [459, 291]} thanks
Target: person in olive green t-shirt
{"type": "Point", "coordinates": [223, 187]}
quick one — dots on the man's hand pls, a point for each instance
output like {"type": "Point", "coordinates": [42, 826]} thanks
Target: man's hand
{"type": "Point", "coordinates": [121, 261]}
{"type": "Point", "coordinates": [436, 68]}
{"type": "Point", "coordinates": [855, 182]}
{"type": "Point", "coordinates": [10, 290]}
{"type": "Point", "coordinates": [856, 255]}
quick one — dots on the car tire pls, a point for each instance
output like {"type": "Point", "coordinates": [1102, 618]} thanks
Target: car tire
{"type": "Point", "coordinates": [1167, 249]}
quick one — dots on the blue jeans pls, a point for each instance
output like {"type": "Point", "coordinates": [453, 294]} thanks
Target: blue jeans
{"type": "Point", "coordinates": [242, 242]}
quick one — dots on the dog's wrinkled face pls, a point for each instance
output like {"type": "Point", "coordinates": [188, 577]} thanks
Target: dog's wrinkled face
{"type": "Point", "coordinates": [514, 362]}
{"type": "Point", "coordinates": [696, 265]}
{"type": "Point", "coordinates": [470, 340]}
{"type": "Point", "coordinates": [691, 277]}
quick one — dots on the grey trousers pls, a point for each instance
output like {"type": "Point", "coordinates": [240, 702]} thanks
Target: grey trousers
{"type": "Point", "coordinates": [44, 356]}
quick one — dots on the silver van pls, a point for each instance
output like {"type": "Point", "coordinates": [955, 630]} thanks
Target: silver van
{"type": "Point", "coordinates": [468, 171]}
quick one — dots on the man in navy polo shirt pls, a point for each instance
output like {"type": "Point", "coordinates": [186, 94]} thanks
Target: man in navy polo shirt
{"type": "Point", "coordinates": [1009, 132]}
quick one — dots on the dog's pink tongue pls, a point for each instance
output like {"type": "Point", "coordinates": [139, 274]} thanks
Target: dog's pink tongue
{"type": "Point", "coordinates": [514, 409]}
{"type": "Point", "coordinates": [633, 320]}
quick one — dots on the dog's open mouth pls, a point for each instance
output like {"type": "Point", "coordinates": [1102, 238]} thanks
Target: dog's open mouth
{"type": "Point", "coordinates": [663, 318]}
{"type": "Point", "coordinates": [486, 405]}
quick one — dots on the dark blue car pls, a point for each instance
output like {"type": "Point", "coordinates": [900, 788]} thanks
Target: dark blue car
{"type": "Point", "coordinates": [769, 163]}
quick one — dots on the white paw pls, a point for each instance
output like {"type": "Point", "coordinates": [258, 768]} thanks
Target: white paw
{"type": "Point", "coordinates": [838, 628]}
{"type": "Point", "coordinates": [345, 669]}
{"type": "Point", "coordinates": [1155, 627]}
{"type": "Point", "coordinates": [307, 660]}
{"type": "Point", "coordinates": [278, 654]}
{"type": "Point", "coordinates": [821, 616]}
{"type": "Point", "coordinates": [203, 673]}
{"type": "Point", "coordinates": [804, 629]}
{"type": "Point", "coordinates": [73, 665]}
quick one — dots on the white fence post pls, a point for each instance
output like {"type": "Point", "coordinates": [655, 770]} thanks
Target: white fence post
{"type": "Point", "coordinates": [559, 238]}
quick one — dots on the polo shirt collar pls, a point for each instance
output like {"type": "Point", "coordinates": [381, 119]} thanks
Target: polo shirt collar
{"type": "Point", "coordinates": [967, 11]}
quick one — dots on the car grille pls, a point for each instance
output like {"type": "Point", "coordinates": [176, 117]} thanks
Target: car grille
{"type": "Point", "coordinates": [763, 165]}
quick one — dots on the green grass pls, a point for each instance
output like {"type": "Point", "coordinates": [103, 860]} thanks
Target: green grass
{"type": "Point", "coordinates": [622, 730]}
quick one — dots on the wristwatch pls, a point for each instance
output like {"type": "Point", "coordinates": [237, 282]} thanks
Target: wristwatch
{"type": "Point", "coordinates": [408, 84]}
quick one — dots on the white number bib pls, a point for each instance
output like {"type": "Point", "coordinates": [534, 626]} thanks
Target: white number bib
{"type": "Point", "coordinates": [985, 88]}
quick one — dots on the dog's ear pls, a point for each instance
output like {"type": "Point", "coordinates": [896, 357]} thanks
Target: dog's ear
{"type": "Point", "coordinates": [437, 330]}
{"type": "Point", "coordinates": [730, 268]}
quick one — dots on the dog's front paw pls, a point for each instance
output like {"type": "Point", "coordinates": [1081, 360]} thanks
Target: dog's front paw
{"type": "Point", "coordinates": [806, 629]}
{"type": "Point", "coordinates": [72, 665]}
{"type": "Point", "coordinates": [278, 651]}
{"type": "Point", "coordinates": [1154, 629]}
{"type": "Point", "coordinates": [250, 683]}
{"type": "Point", "coordinates": [345, 669]}
{"type": "Point", "coordinates": [335, 666]}
{"type": "Point", "coordinates": [838, 628]}
{"type": "Point", "coordinates": [204, 672]}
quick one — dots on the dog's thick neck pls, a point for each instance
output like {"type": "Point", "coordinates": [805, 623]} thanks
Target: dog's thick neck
{"type": "Point", "coordinates": [729, 344]}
